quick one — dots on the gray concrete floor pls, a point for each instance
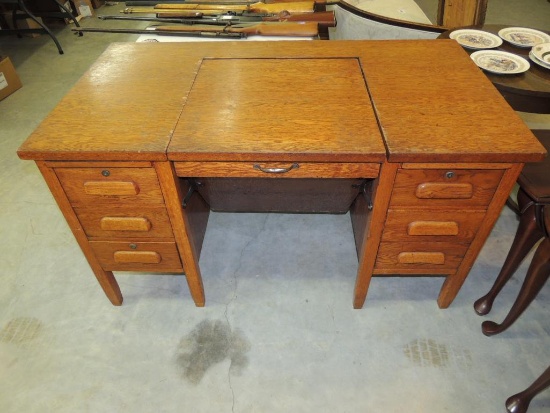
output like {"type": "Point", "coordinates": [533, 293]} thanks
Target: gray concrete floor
{"type": "Point", "coordinates": [278, 332]}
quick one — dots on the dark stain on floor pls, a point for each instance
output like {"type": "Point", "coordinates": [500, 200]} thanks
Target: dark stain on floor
{"type": "Point", "coordinates": [210, 343]}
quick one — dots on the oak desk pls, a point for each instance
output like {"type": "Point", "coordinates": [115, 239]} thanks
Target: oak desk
{"type": "Point", "coordinates": [409, 136]}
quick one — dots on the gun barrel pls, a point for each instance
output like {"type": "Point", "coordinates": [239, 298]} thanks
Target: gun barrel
{"type": "Point", "coordinates": [326, 19]}
{"type": "Point", "coordinates": [180, 32]}
{"type": "Point", "coordinates": [297, 29]}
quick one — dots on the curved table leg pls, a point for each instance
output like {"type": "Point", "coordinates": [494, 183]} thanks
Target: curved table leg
{"type": "Point", "coordinates": [536, 277]}
{"type": "Point", "coordinates": [66, 10]}
{"type": "Point", "coordinates": [23, 7]}
{"type": "Point", "coordinates": [527, 235]}
{"type": "Point", "coordinates": [519, 403]}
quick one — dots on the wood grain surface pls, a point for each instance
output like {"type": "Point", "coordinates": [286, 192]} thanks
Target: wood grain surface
{"type": "Point", "coordinates": [433, 104]}
{"type": "Point", "coordinates": [275, 109]}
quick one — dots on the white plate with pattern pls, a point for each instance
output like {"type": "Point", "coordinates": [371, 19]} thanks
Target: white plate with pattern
{"type": "Point", "coordinates": [502, 63]}
{"type": "Point", "coordinates": [540, 54]}
{"type": "Point", "coordinates": [475, 39]}
{"type": "Point", "coordinates": [523, 37]}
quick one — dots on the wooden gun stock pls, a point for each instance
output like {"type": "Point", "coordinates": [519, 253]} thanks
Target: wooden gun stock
{"type": "Point", "coordinates": [297, 29]}
{"type": "Point", "coordinates": [323, 18]}
{"type": "Point", "coordinates": [291, 7]}
{"type": "Point", "coordinates": [293, 1]}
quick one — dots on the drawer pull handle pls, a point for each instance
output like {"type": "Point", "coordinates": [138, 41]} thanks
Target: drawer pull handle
{"type": "Point", "coordinates": [276, 170]}
{"type": "Point", "coordinates": [111, 188]}
{"type": "Point", "coordinates": [141, 257]}
{"type": "Point", "coordinates": [125, 224]}
{"type": "Point", "coordinates": [437, 190]}
{"type": "Point", "coordinates": [432, 228]}
{"type": "Point", "coordinates": [436, 258]}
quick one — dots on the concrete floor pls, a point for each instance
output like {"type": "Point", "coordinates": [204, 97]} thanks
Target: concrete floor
{"type": "Point", "coordinates": [278, 333]}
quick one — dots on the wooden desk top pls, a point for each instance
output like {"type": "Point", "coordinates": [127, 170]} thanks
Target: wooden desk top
{"type": "Point", "coordinates": [278, 109]}
{"type": "Point", "coordinates": [432, 105]}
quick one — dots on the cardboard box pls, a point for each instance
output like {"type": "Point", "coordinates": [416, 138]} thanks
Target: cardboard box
{"type": "Point", "coordinates": [9, 80]}
{"type": "Point", "coordinates": [84, 8]}
{"type": "Point", "coordinates": [26, 23]}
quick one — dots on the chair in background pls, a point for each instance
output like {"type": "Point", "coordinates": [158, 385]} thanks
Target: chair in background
{"type": "Point", "coordinates": [519, 403]}
{"type": "Point", "coordinates": [534, 209]}
{"type": "Point", "coordinates": [534, 214]}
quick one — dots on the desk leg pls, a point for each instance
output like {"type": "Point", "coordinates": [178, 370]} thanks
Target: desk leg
{"type": "Point", "coordinates": [372, 233]}
{"type": "Point", "coordinates": [183, 232]}
{"type": "Point", "coordinates": [105, 278]}
{"type": "Point", "coordinates": [454, 282]}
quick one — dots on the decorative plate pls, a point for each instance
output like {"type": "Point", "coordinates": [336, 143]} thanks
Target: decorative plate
{"type": "Point", "coordinates": [523, 37]}
{"type": "Point", "coordinates": [495, 61]}
{"type": "Point", "coordinates": [475, 39]}
{"type": "Point", "coordinates": [541, 54]}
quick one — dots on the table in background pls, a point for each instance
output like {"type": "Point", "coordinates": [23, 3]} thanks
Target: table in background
{"type": "Point", "coordinates": [526, 92]}
{"type": "Point", "coordinates": [20, 5]}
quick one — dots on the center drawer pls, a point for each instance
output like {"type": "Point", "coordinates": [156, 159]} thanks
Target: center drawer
{"type": "Point", "coordinates": [276, 169]}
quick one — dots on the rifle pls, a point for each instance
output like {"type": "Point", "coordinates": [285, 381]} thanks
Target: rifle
{"type": "Point", "coordinates": [325, 19]}
{"type": "Point", "coordinates": [306, 29]}
{"type": "Point", "coordinates": [262, 8]}
{"type": "Point", "coordinates": [154, 3]}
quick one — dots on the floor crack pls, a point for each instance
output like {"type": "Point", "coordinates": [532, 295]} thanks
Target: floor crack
{"type": "Point", "coordinates": [233, 298]}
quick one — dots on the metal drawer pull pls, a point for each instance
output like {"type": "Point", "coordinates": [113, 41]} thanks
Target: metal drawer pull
{"type": "Point", "coordinates": [276, 170]}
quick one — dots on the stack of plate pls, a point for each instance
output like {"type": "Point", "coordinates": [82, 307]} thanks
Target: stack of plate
{"type": "Point", "coordinates": [537, 40]}
{"type": "Point", "coordinates": [540, 54]}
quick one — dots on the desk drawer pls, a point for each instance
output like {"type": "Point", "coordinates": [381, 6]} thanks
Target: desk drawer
{"type": "Point", "coordinates": [419, 258]}
{"type": "Point", "coordinates": [90, 186]}
{"type": "Point", "coordinates": [125, 222]}
{"type": "Point", "coordinates": [137, 256]}
{"type": "Point", "coordinates": [276, 170]}
{"type": "Point", "coordinates": [426, 226]}
{"type": "Point", "coordinates": [452, 188]}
